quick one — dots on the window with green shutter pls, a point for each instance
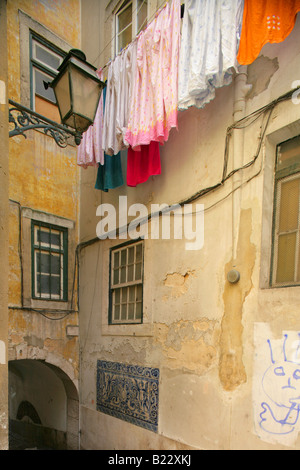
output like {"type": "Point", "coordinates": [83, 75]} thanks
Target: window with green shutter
{"type": "Point", "coordinates": [49, 261]}
{"type": "Point", "coordinates": [126, 284]}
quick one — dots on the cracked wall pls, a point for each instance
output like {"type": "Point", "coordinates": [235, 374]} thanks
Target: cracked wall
{"type": "Point", "coordinates": [4, 217]}
{"type": "Point", "coordinates": [231, 369]}
{"type": "Point", "coordinates": [187, 345]}
{"type": "Point", "coordinates": [259, 74]}
{"type": "Point", "coordinates": [43, 181]}
{"type": "Point", "coordinates": [198, 328]}
{"type": "Point", "coordinates": [178, 283]}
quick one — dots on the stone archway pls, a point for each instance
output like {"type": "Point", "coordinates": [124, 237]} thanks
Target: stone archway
{"type": "Point", "coordinates": [43, 404]}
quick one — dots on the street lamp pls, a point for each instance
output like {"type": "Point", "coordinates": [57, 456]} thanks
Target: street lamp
{"type": "Point", "coordinates": [77, 90]}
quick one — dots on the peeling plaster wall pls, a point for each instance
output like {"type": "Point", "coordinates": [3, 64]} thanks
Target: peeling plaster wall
{"type": "Point", "coordinates": [232, 370]}
{"type": "Point", "coordinates": [44, 178]}
{"type": "Point", "coordinates": [4, 217]}
{"type": "Point", "coordinates": [44, 182]}
{"type": "Point", "coordinates": [204, 334]}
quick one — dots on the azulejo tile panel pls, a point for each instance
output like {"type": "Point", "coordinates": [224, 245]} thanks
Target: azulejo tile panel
{"type": "Point", "coordinates": [128, 392]}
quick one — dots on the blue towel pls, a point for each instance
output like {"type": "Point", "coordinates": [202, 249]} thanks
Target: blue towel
{"type": "Point", "coordinates": [109, 175]}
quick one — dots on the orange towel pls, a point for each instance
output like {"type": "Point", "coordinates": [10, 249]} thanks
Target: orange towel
{"type": "Point", "coordinates": [265, 21]}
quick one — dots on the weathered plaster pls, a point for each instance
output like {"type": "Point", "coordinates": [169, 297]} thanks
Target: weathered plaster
{"type": "Point", "coordinates": [202, 326]}
{"type": "Point", "coordinates": [178, 282]}
{"type": "Point", "coordinates": [260, 73]}
{"type": "Point", "coordinates": [232, 370]}
{"type": "Point", "coordinates": [188, 345]}
{"type": "Point", "coordinates": [4, 218]}
{"type": "Point", "coordinates": [43, 184]}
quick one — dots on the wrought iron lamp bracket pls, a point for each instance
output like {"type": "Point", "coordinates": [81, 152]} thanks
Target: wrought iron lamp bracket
{"type": "Point", "coordinates": [24, 119]}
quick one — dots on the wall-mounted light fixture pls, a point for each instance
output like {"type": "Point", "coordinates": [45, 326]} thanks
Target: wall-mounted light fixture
{"type": "Point", "coordinates": [77, 89]}
{"type": "Point", "coordinates": [233, 276]}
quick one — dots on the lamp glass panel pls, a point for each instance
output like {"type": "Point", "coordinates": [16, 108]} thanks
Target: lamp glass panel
{"type": "Point", "coordinates": [85, 95]}
{"type": "Point", "coordinates": [62, 92]}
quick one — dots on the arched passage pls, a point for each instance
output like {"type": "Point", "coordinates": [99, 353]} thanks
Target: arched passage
{"type": "Point", "coordinates": [43, 405]}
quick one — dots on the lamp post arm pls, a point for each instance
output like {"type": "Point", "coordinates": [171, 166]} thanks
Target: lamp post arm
{"type": "Point", "coordinates": [25, 119]}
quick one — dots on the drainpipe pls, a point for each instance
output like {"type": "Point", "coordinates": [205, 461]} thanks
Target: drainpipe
{"type": "Point", "coordinates": [240, 92]}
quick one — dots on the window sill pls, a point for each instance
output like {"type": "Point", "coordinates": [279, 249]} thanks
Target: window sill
{"type": "Point", "coordinates": [280, 286]}
{"type": "Point", "coordinates": [127, 330]}
{"type": "Point", "coordinates": [47, 304]}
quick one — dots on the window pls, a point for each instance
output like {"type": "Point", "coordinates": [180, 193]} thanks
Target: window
{"type": "Point", "coordinates": [126, 283]}
{"type": "Point", "coordinates": [131, 18]}
{"type": "Point", "coordinates": [49, 261]}
{"type": "Point", "coordinates": [286, 228]}
{"type": "Point", "coordinates": [44, 61]}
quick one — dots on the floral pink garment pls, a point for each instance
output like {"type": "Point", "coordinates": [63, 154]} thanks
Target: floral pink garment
{"type": "Point", "coordinates": [90, 152]}
{"type": "Point", "coordinates": [153, 109]}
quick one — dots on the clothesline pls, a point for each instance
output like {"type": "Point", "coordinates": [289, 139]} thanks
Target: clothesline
{"type": "Point", "coordinates": [136, 37]}
{"type": "Point", "coordinates": [170, 67]}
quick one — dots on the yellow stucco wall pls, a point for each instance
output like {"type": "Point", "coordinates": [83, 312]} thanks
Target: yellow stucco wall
{"type": "Point", "coordinates": [3, 233]}
{"type": "Point", "coordinates": [45, 178]}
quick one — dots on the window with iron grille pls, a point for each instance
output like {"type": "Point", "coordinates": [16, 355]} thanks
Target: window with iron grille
{"type": "Point", "coordinates": [126, 284]}
{"type": "Point", "coordinates": [49, 261]}
{"type": "Point", "coordinates": [286, 221]}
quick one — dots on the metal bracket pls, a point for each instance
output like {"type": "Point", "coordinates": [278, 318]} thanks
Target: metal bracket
{"type": "Point", "coordinates": [24, 119]}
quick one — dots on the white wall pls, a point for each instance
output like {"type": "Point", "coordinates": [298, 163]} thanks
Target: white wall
{"type": "Point", "coordinates": [205, 335]}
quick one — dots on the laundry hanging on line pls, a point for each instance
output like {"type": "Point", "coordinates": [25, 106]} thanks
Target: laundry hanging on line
{"type": "Point", "coordinates": [109, 174]}
{"type": "Point", "coordinates": [90, 152]}
{"type": "Point", "coordinates": [119, 91]}
{"type": "Point", "coordinates": [208, 50]}
{"type": "Point", "coordinates": [164, 70]}
{"type": "Point", "coordinates": [270, 21]}
{"type": "Point", "coordinates": [143, 163]}
{"type": "Point", "coordinates": [153, 110]}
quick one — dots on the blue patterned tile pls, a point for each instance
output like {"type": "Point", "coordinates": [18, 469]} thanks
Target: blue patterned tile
{"type": "Point", "coordinates": [128, 392]}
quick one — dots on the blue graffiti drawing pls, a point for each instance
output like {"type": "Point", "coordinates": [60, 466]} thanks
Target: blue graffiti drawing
{"type": "Point", "coordinates": [281, 384]}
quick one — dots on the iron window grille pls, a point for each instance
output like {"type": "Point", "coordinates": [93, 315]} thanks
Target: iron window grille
{"type": "Point", "coordinates": [49, 261]}
{"type": "Point", "coordinates": [126, 284]}
{"type": "Point", "coordinates": [285, 269]}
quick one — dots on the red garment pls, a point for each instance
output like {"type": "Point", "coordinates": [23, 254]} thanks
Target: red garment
{"type": "Point", "coordinates": [143, 163]}
{"type": "Point", "coordinates": [265, 21]}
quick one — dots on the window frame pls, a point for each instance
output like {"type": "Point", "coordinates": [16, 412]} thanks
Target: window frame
{"type": "Point", "coordinates": [63, 251]}
{"type": "Point", "coordinates": [28, 25]}
{"type": "Point", "coordinates": [121, 247]}
{"type": "Point", "coordinates": [38, 65]}
{"type": "Point", "coordinates": [281, 176]}
{"type": "Point", "coordinates": [134, 21]}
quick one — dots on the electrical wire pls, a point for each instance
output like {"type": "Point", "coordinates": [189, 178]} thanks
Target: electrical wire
{"type": "Point", "coordinates": [43, 311]}
{"type": "Point", "coordinates": [240, 124]}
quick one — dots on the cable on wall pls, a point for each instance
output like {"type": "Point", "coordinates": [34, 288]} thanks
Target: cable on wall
{"type": "Point", "coordinates": [240, 124]}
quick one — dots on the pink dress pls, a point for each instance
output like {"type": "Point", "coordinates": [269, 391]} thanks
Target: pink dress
{"type": "Point", "coordinates": [153, 110]}
{"type": "Point", "coordinates": [90, 152]}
